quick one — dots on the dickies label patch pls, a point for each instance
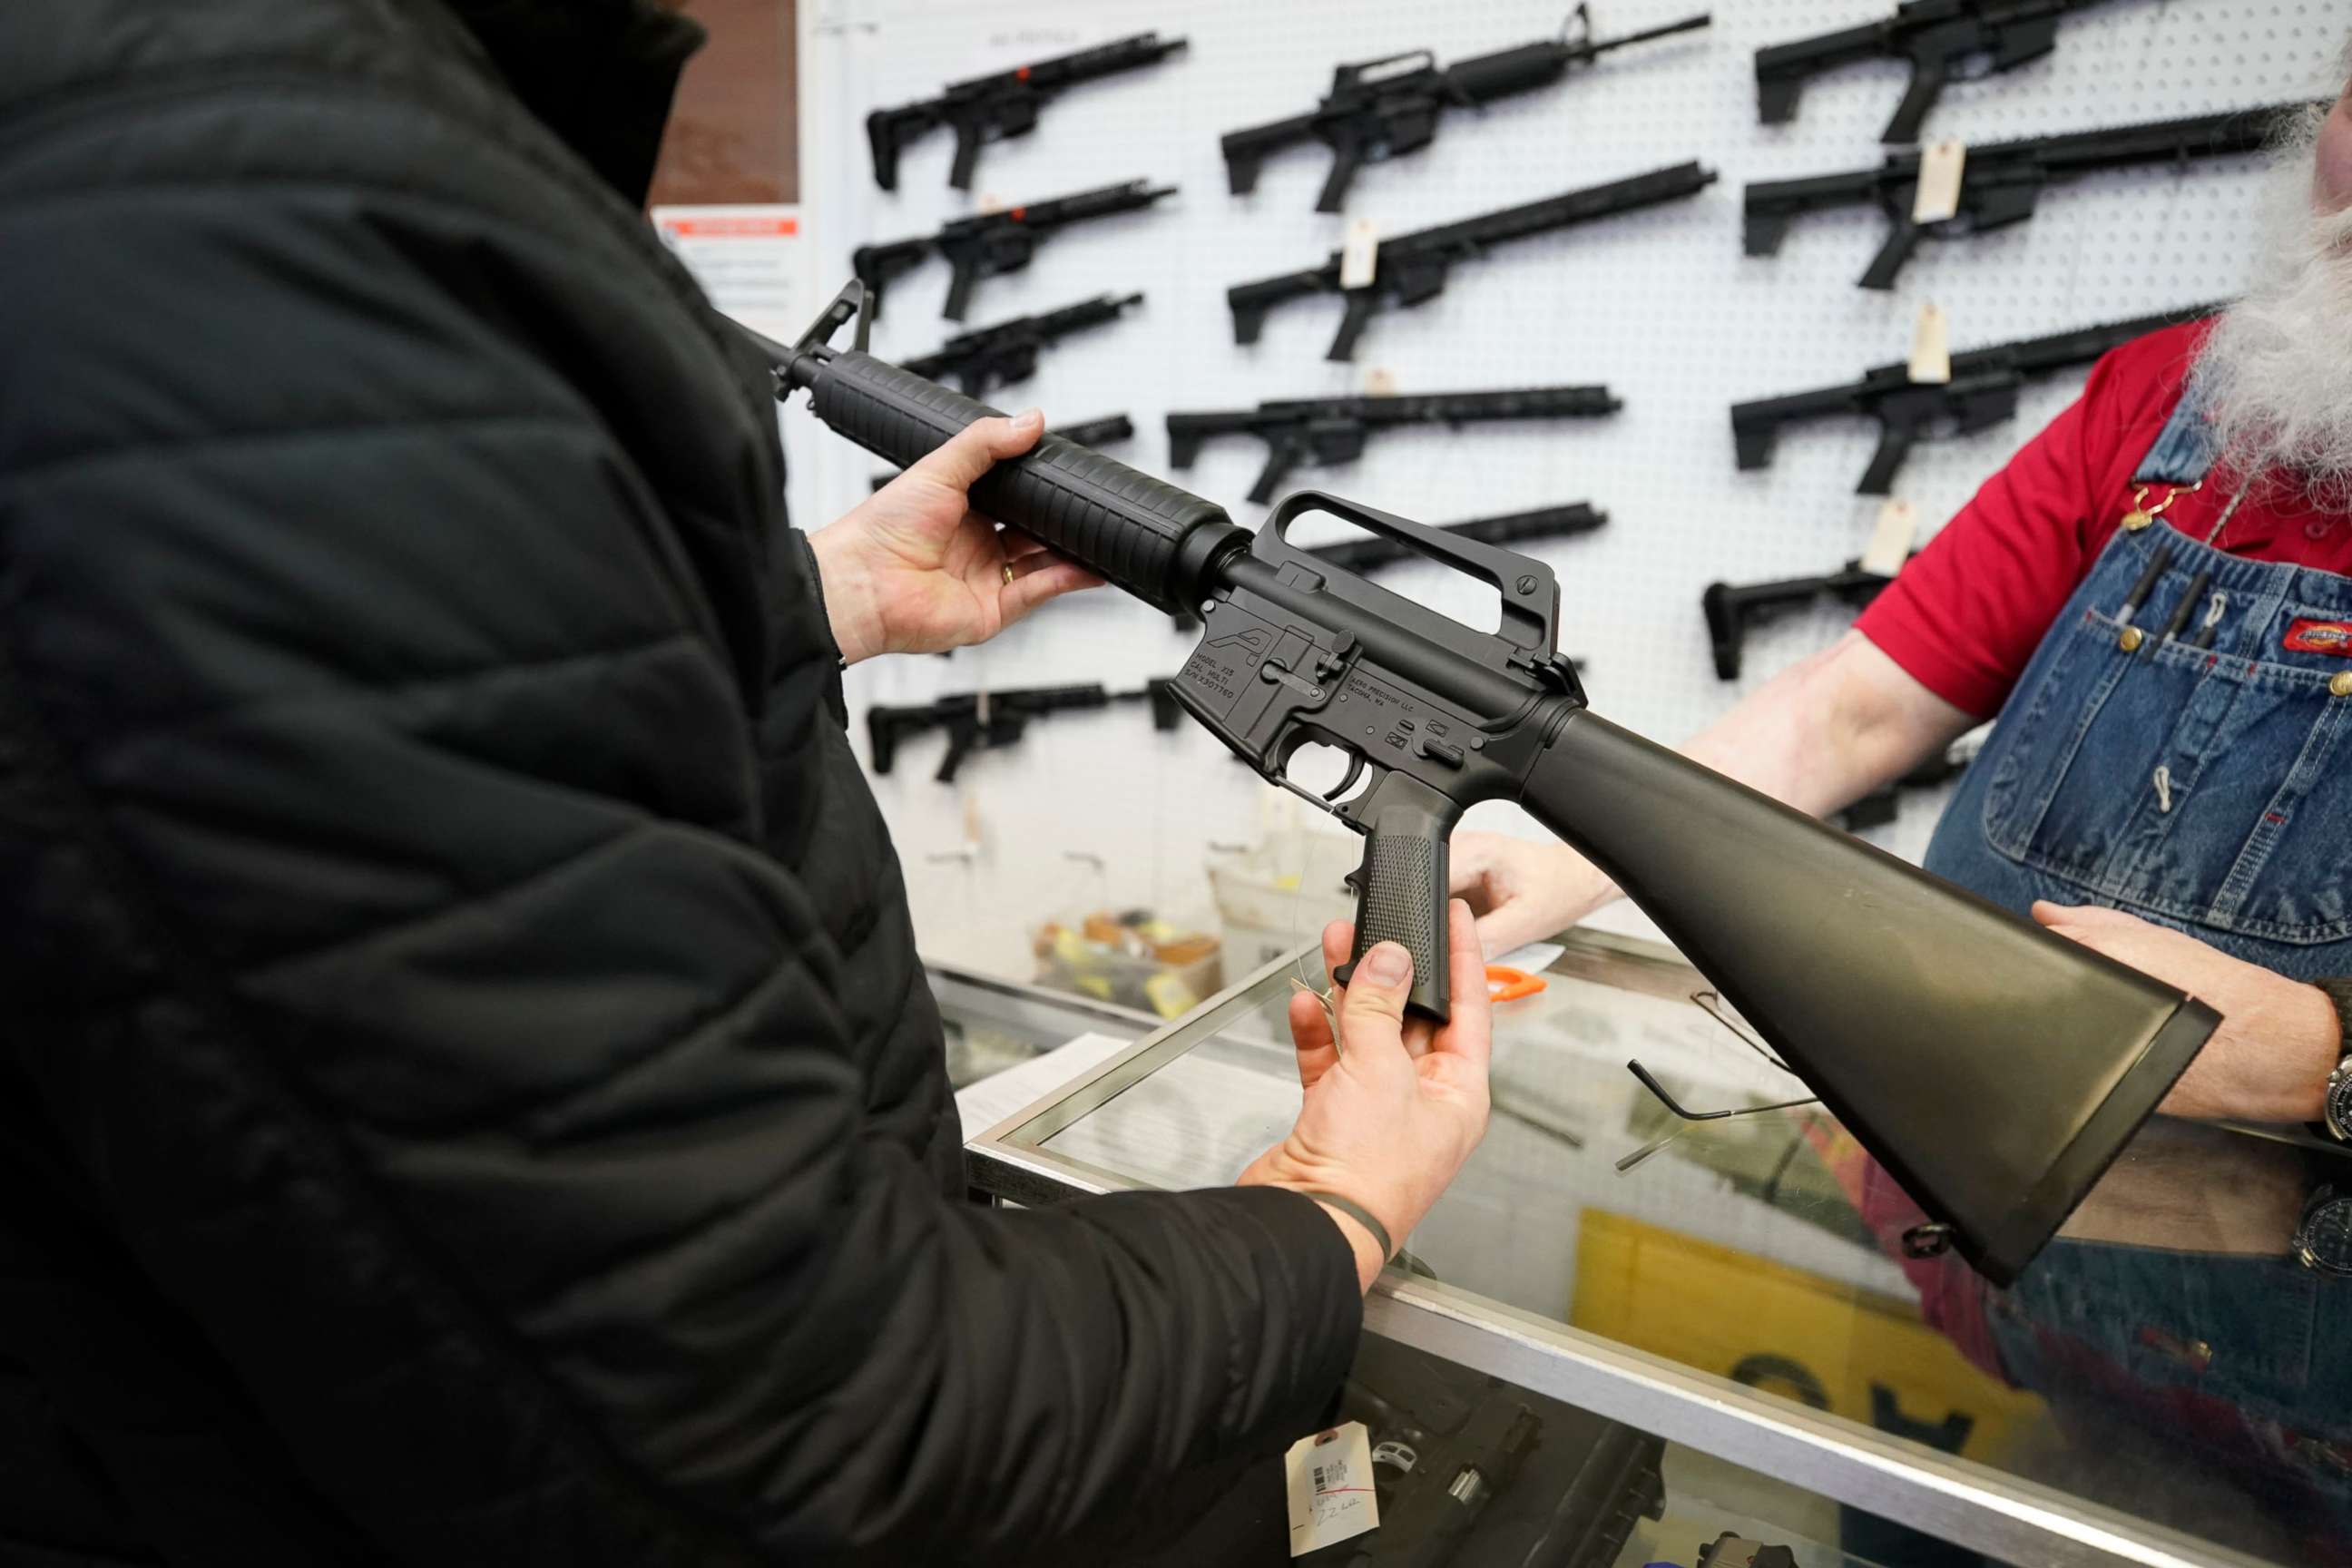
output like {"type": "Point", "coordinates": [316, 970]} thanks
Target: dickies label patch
{"type": "Point", "coordinates": [2319, 637]}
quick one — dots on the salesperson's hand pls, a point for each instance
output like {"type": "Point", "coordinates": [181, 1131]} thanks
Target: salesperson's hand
{"type": "Point", "coordinates": [2279, 1038]}
{"type": "Point", "coordinates": [915, 570]}
{"type": "Point", "coordinates": [1523, 889]}
{"type": "Point", "coordinates": [1393, 1108]}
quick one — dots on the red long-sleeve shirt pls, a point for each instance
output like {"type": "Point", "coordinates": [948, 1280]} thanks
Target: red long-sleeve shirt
{"type": "Point", "coordinates": [1965, 615]}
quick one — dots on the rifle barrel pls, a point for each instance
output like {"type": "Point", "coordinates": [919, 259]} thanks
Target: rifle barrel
{"type": "Point", "coordinates": [1687, 25]}
{"type": "Point", "coordinates": [1085, 204]}
{"type": "Point", "coordinates": [1524, 403]}
{"type": "Point", "coordinates": [2059, 350]}
{"type": "Point", "coordinates": [1558, 212]}
{"type": "Point", "coordinates": [2196, 136]}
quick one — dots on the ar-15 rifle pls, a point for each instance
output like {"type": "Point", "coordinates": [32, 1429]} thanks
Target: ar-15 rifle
{"type": "Point", "coordinates": [2003, 180]}
{"type": "Point", "coordinates": [1086, 433]}
{"type": "Point", "coordinates": [993, 108]}
{"type": "Point", "coordinates": [991, 720]}
{"type": "Point", "coordinates": [1007, 351]}
{"type": "Point", "coordinates": [1933, 35]}
{"type": "Point", "coordinates": [1334, 430]}
{"type": "Point", "coordinates": [1983, 391]}
{"type": "Point", "coordinates": [1731, 611]}
{"type": "Point", "coordinates": [1928, 1020]}
{"type": "Point", "coordinates": [1374, 113]}
{"type": "Point", "coordinates": [1409, 270]}
{"type": "Point", "coordinates": [988, 245]}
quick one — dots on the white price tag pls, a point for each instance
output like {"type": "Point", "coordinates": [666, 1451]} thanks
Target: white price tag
{"type": "Point", "coordinates": [1329, 1478]}
{"type": "Point", "coordinates": [1940, 166]}
{"type": "Point", "coordinates": [1360, 254]}
{"type": "Point", "coordinates": [1890, 542]}
{"type": "Point", "coordinates": [1931, 345]}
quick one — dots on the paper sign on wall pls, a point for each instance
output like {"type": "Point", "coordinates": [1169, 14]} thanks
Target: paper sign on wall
{"type": "Point", "coordinates": [1360, 253]}
{"type": "Point", "coordinates": [1890, 542]}
{"type": "Point", "coordinates": [1931, 345]}
{"type": "Point", "coordinates": [748, 259]}
{"type": "Point", "coordinates": [1941, 165]}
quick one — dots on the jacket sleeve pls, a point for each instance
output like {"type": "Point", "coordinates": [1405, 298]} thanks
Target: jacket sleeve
{"type": "Point", "coordinates": [433, 1032]}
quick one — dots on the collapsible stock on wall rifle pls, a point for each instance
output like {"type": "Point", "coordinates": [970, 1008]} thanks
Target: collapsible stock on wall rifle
{"type": "Point", "coordinates": [988, 244]}
{"type": "Point", "coordinates": [1982, 392]}
{"type": "Point", "coordinates": [1327, 430]}
{"type": "Point", "coordinates": [1411, 270]}
{"type": "Point", "coordinates": [1731, 609]}
{"type": "Point", "coordinates": [2001, 181]}
{"type": "Point", "coordinates": [993, 721]}
{"type": "Point", "coordinates": [993, 108]}
{"type": "Point", "coordinates": [1933, 36]}
{"type": "Point", "coordinates": [1992, 1067]}
{"type": "Point", "coordinates": [1007, 351]}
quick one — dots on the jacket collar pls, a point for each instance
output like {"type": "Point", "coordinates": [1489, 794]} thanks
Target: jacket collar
{"type": "Point", "coordinates": [599, 73]}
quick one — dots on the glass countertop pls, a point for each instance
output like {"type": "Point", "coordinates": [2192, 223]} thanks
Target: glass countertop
{"type": "Point", "coordinates": [2167, 1357]}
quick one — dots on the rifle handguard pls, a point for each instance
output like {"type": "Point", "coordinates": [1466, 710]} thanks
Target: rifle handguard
{"type": "Point", "coordinates": [1140, 533]}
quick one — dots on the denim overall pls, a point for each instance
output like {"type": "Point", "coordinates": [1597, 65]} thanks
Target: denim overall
{"type": "Point", "coordinates": [2209, 791]}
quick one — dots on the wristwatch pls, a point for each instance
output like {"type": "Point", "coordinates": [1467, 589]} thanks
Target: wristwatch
{"type": "Point", "coordinates": [2336, 1107]}
{"type": "Point", "coordinates": [2323, 1241]}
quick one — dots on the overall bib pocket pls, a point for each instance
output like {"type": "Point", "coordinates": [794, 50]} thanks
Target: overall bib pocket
{"type": "Point", "coordinates": [2197, 786]}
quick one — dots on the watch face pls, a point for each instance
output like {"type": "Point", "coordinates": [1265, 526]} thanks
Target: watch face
{"type": "Point", "coordinates": [2324, 1242]}
{"type": "Point", "coordinates": [2339, 1102]}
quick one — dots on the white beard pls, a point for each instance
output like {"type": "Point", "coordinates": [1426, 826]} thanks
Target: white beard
{"type": "Point", "coordinates": [2276, 372]}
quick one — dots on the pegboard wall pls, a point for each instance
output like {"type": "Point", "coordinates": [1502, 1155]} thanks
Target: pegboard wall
{"type": "Point", "coordinates": [1660, 305]}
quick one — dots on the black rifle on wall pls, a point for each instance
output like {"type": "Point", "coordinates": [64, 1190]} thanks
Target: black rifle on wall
{"type": "Point", "coordinates": [1982, 393]}
{"type": "Point", "coordinates": [2001, 183]}
{"type": "Point", "coordinates": [1411, 268]}
{"type": "Point", "coordinates": [994, 356]}
{"type": "Point", "coordinates": [1933, 36]}
{"type": "Point", "coordinates": [991, 720]}
{"type": "Point", "coordinates": [988, 245]}
{"type": "Point", "coordinates": [1732, 610]}
{"type": "Point", "coordinates": [1379, 108]}
{"type": "Point", "coordinates": [1334, 430]}
{"type": "Point", "coordinates": [993, 108]}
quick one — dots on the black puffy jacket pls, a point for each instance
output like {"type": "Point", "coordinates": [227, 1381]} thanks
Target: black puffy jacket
{"type": "Point", "coordinates": [468, 1092]}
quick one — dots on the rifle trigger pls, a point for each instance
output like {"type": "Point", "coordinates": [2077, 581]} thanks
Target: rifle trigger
{"type": "Point", "coordinates": [1355, 772]}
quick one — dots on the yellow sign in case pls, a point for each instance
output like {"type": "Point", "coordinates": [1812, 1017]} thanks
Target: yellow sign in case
{"type": "Point", "coordinates": [1853, 1353]}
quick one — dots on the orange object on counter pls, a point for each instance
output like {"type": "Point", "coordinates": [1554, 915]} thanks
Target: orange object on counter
{"type": "Point", "coordinates": [1505, 983]}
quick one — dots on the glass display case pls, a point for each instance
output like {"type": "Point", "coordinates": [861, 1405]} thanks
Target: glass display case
{"type": "Point", "coordinates": [2164, 1385]}
{"type": "Point", "coordinates": [993, 1025]}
